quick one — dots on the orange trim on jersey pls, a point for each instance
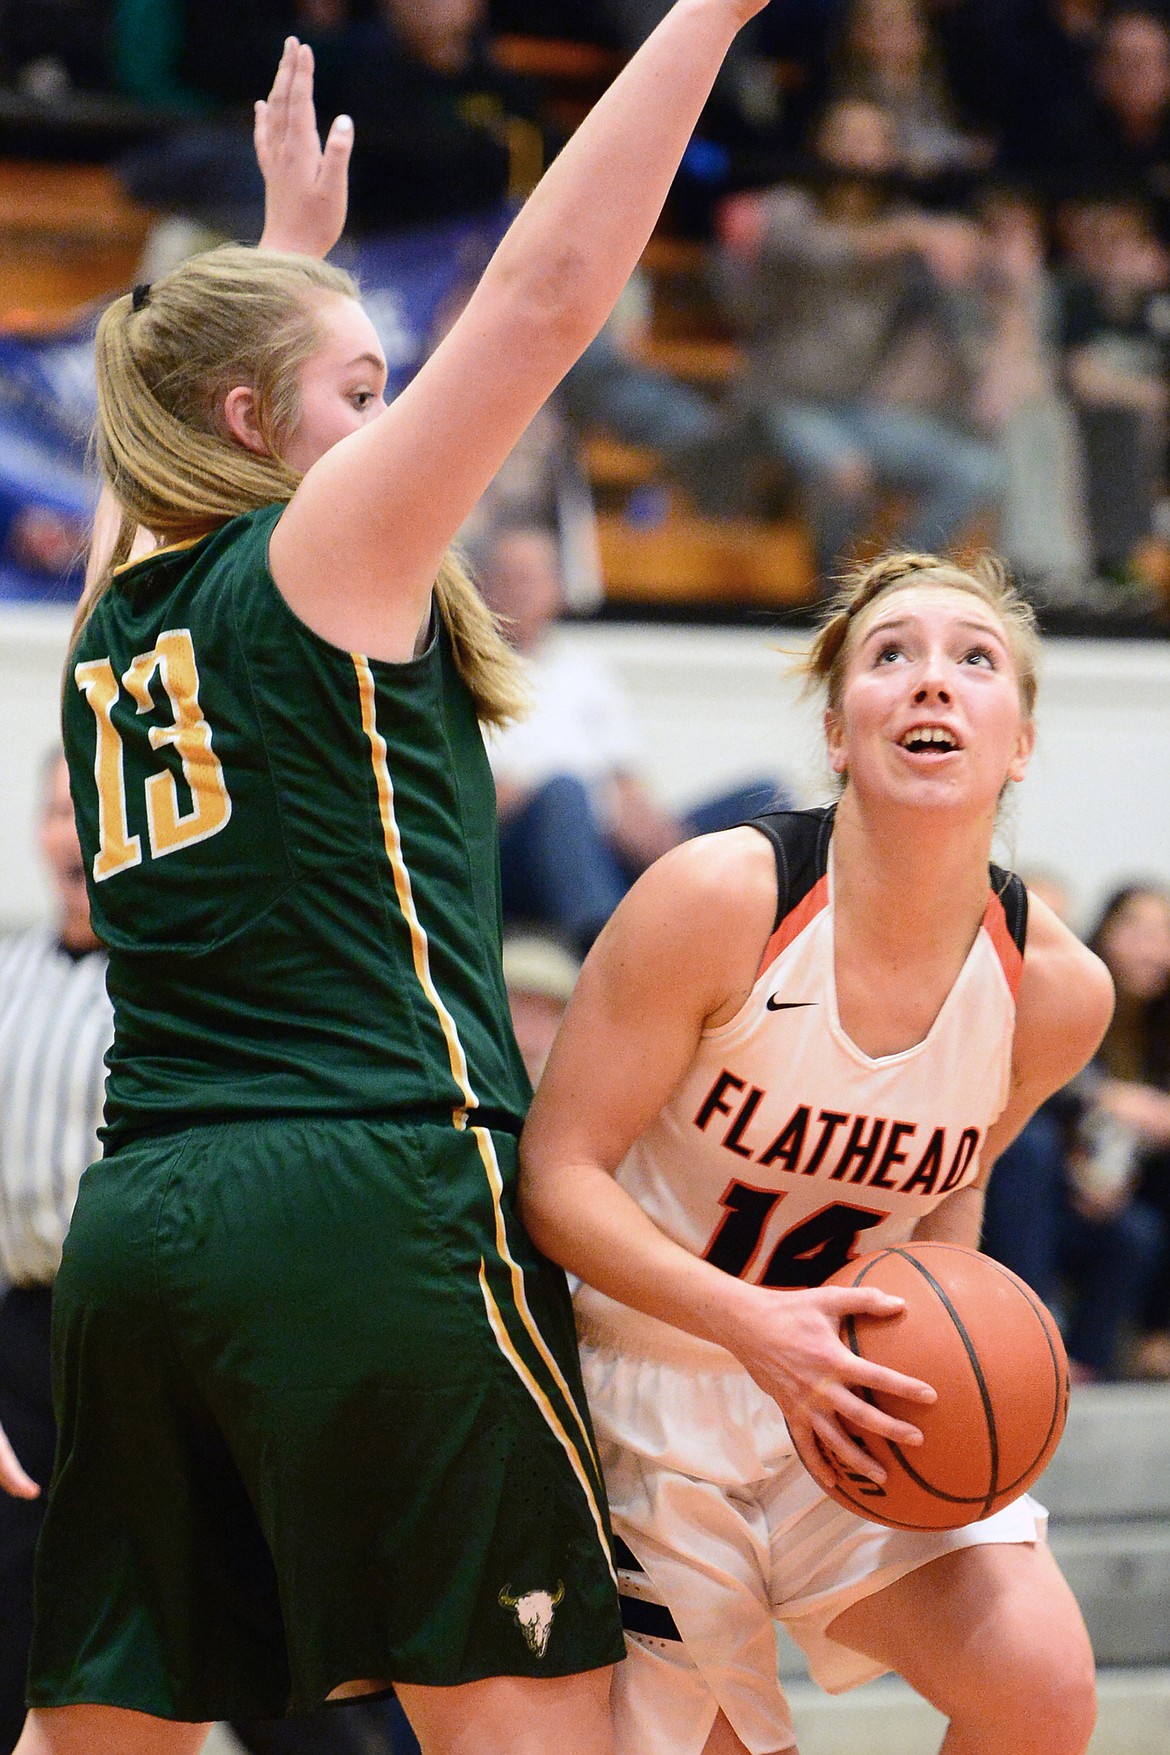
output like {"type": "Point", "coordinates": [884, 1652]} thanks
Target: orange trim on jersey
{"type": "Point", "coordinates": [794, 923]}
{"type": "Point", "coordinates": [1006, 948]}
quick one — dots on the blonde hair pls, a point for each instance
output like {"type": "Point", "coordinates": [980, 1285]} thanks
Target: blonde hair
{"type": "Point", "coordinates": [827, 659]}
{"type": "Point", "coordinates": [167, 357]}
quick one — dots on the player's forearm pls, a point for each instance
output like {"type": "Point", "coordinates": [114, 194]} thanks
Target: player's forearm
{"type": "Point", "coordinates": [958, 1219]}
{"type": "Point", "coordinates": [575, 244]}
{"type": "Point", "coordinates": [580, 1217]}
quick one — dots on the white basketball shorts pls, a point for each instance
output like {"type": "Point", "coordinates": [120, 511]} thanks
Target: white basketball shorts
{"type": "Point", "coordinates": [722, 1533]}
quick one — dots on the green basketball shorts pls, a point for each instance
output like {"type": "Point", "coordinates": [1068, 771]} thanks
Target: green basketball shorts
{"type": "Point", "coordinates": [321, 1419]}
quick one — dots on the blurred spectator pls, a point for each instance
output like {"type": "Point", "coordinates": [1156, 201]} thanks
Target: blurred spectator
{"type": "Point", "coordinates": [1021, 71]}
{"type": "Point", "coordinates": [1115, 329]}
{"type": "Point", "coordinates": [1044, 530]}
{"type": "Point", "coordinates": [577, 821]}
{"type": "Point", "coordinates": [541, 485]}
{"type": "Point", "coordinates": [835, 289]}
{"type": "Point", "coordinates": [745, 104]}
{"type": "Point", "coordinates": [705, 447]}
{"type": "Point", "coordinates": [887, 59]}
{"type": "Point", "coordinates": [1127, 129]}
{"type": "Point", "coordinates": [441, 130]}
{"type": "Point", "coordinates": [51, 47]}
{"type": "Point", "coordinates": [1063, 1211]}
{"type": "Point", "coordinates": [1133, 939]}
{"type": "Point", "coordinates": [540, 976]}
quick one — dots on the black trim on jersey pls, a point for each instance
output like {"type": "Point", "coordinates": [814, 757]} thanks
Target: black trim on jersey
{"type": "Point", "coordinates": [1011, 892]}
{"type": "Point", "coordinates": [638, 1616]}
{"type": "Point", "coordinates": [800, 842]}
{"type": "Point", "coordinates": [653, 1619]}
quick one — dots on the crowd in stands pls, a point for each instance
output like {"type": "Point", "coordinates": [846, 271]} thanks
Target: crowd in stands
{"type": "Point", "coordinates": [932, 238]}
{"type": "Point", "coordinates": [938, 232]}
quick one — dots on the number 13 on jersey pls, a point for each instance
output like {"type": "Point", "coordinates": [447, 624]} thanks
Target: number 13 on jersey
{"type": "Point", "coordinates": [172, 658]}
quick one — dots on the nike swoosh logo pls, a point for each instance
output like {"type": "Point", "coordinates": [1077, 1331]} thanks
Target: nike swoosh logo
{"type": "Point", "coordinates": [787, 1005]}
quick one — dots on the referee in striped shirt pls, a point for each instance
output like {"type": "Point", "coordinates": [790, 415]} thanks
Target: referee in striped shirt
{"type": "Point", "coordinates": [56, 1024]}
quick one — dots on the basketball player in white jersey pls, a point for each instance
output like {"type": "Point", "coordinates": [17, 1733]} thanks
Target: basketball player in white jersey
{"type": "Point", "coordinates": [795, 1042]}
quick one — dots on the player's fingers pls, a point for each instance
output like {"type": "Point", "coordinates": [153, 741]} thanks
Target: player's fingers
{"type": "Point", "coordinates": [260, 131]}
{"type": "Point", "coordinates": [282, 80]}
{"type": "Point", "coordinates": [338, 147]}
{"type": "Point", "coordinates": [855, 1458]}
{"type": "Point", "coordinates": [12, 1477]}
{"type": "Point", "coordinates": [890, 1382]}
{"type": "Point", "coordinates": [860, 1301]}
{"type": "Point", "coordinates": [868, 1417]}
{"type": "Point", "coordinates": [300, 92]}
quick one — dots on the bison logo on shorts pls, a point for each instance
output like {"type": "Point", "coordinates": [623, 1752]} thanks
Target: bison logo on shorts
{"type": "Point", "coordinates": [534, 1614]}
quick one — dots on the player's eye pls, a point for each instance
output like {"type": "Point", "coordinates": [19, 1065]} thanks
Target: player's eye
{"type": "Point", "coordinates": [887, 653]}
{"type": "Point", "coordinates": [362, 399]}
{"type": "Point", "coordinates": [981, 655]}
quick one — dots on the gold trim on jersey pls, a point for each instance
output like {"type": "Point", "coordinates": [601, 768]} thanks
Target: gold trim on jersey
{"type": "Point", "coordinates": [165, 548]}
{"type": "Point", "coordinates": [419, 945]}
{"type": "Point", "coordinates": [392, 841]}
{"type": "Point", "coordinates": [504, 1341]}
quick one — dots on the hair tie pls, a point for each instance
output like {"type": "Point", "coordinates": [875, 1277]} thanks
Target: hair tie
{"type": "Point", "coordinates": [140, 296]}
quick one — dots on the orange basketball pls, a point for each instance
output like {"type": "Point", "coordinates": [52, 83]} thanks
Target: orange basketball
{"type": "Point", "coordinates": [979, 1336]}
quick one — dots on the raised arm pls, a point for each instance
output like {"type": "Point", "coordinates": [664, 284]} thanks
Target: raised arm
{"type": "Point", "coordinates": [379, 510]}
{"type": "Point", "coordinates": [306, 190]}
{"type": "Point", "coordinates": [681, 952]}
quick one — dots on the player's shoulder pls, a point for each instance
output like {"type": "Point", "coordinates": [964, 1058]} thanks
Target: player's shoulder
{"type": "Point", "coordinates": [1065, 999]}
{"type": "Point", "coordinates": [703, 914]}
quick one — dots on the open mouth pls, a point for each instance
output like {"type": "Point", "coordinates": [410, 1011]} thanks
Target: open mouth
{"type": "Point", "coordinates": [929, 740]}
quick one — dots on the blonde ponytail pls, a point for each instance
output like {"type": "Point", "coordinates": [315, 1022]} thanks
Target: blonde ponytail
{"type": "Point", "coordinates": [167, 358]}
{"type": "Point", "coordinates": [488, 665]}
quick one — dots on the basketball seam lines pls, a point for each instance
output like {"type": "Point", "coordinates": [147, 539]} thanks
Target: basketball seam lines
{"type": "Point", "coordinates": [988, 1410]}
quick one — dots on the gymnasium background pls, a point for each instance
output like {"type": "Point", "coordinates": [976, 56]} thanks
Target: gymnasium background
{"type": "Point", "coordinates": [1025, 147]}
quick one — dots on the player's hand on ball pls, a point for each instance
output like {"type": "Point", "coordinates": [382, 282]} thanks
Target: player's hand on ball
{"type": "Point", "coordinates": [798, 1357]}
{"type": "Point", "coordinates": [12, 1477]}
{"type": "Point", "coordinates": [306, 187]}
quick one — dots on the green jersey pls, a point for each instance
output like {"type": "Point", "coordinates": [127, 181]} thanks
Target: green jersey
{"type": "Point", "coordinates": [291, 853]}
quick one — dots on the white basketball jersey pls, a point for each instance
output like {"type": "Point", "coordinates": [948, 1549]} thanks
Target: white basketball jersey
{"type": "Point", "coordinates": [785, 1150]}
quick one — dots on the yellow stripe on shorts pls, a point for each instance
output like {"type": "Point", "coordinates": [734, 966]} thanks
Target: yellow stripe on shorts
{"type": "Point", "coordinates": [487, 1152]}
{"type": "Point", "coordinates": [504, 1341]}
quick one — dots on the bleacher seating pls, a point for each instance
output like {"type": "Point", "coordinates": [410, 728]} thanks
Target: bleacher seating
{"type": "Point", "coordinates": [68, 235]}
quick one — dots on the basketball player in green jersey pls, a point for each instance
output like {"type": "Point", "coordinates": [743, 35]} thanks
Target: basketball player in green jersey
{"type": "Point", "coordinates": [321, 1422]}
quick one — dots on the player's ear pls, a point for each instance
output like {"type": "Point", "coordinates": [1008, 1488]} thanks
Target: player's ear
{"type": "Point", "coordinates": [835, 740]}
{"type": "Point", "coordinates": [240, 418]}
{"type": "Point", "coordinates": [1025, 744]}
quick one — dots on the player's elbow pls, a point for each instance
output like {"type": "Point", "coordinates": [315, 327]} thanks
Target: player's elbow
{"type": "Point", "coordinates": [549, 301]}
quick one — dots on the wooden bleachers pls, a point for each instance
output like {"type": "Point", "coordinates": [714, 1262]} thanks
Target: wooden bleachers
{"type": "Point", "coordinates": [68, 235]}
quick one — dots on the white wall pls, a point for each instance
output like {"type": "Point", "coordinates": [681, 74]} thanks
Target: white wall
{"type": "Point", "coordinates": [721, 705]}
{"type": "Point", "coordinates": [718, 705]}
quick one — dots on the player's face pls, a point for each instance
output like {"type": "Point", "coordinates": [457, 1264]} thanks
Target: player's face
{"type": "Point", "coordinates": [1136, 945]}
{"type": "Point", "coordinates": [343, 383]}
{"type": "Point", "coordinates": [930, 711]}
